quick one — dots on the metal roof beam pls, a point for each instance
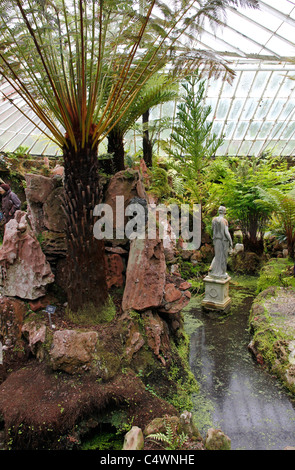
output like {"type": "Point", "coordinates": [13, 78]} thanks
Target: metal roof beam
{"type": "Point", "coordinates": [273, 11]}
{"type": "Point", "coordinates": [282, 38]}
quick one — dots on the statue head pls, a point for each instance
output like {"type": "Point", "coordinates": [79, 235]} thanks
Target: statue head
{"type": "Point", "coordinates": [222, 210]}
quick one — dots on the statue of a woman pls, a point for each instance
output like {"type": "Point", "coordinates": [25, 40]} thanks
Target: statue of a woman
{"type": "Point", "coordinates": [222, 242]}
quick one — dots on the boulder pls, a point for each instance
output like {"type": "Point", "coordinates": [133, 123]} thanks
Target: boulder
{"type": "Point", "coordinates": [36, 333]}
{"type": "Point", "coordinates": [12, 313]}
{"type": "Point", "coordinates": [157, 335]}
{"type": "Point", "coordinates": [38, 188]}
{"type": "Point", "coordinates": [44, 192]}
{"type": "Point", "coordinates": [114, 270]}
{"type": "Point", "coordinates": [73, 351]}
{"type": "Point", "coordinates": [145, 275]}
{"type": "Point", "coordinates": [217, 440]}
{"type": "Point", "coordinates": [25, 272]}
{"type": "Point", "coordinates": [54, 217]}
{"type": "Point", "coordinates": [176, 294]}
{"type": "Point", "coordinates": [127, 183]}
{"type": "Point", "coordinates": [134, 440]}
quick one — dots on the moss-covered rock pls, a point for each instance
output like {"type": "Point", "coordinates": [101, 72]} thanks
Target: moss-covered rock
{"type": "Point", "coordinates": [272, 325]}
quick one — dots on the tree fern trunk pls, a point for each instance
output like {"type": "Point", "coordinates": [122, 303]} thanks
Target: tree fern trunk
{"type": "Point", "coordinates": [146, 143]}
{"type": "Point", "coordinates": [87, 288]}
{"type": "Point", "coordinates": [116, 147]}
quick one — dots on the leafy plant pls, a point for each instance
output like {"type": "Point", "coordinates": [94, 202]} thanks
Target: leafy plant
{"type": "Point", "coordinates": [172, 439]}
{"type": "Point", "coordinates": [282, 222]}
{"type": "Point", "coordinates": [239, 187]}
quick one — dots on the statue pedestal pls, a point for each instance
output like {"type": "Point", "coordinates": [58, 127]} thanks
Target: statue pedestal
{"type": "Point", "coordinates": [216, 293]}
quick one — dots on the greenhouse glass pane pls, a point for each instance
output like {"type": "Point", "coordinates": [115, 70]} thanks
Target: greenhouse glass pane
{"type": "Point", "coordinates": [276, 109]}
{"type": "Point", "coordinates": [249, 108]}
{"type": "Point", "coordinates": [228, 88]}
{"type": "Point", "coordinates": [263, 108]}
{"type": "Point", "coordinates": [273, 85]}
{"type": "Point", "coordinates": [259, 84]}
{"type": "Point", "coordinates": [276, 131]}
{"type": "Point", "coordinates": [256, 148]}
{"type": "Point", "coordinates": [290, 148]}
{"type": "Point", "coordinates": [222, 109]}
{"type": "Point", "coordinates": [155, 113]}
{"type": "Point", "coordinates": [233, 147]}
{"type": "Point", "coordinates": [236, 108]}
{"type": "Point", "coordinates": [229, 129]}
{"type": "Point", "coordinates": [289, 107]}
{"type": "Point", "coordinates": [287, 86]}
{"type": "Point", "coordinates": [211, 102]}
{"type": "Point", "coordinates": [277, 45]}
{"type": "Point", "coordinates": [245, 84]}
{"type": "Point", "coordinates": [223, 148]}
{"type": "Point", "coordinates": [214, 88]}
{"type": "Point", "coordinates": [241, 129]}
{"type": "Point", "coordinates": [245, 147]}
{"type": "Point", "coordinates": [265, 130]}
{"type": "Point", "coordinates": [289, 131]}
{"type": "Point", "coordinates": [253, 129]}
{"type": "Point", "coordinates": [216, 128]}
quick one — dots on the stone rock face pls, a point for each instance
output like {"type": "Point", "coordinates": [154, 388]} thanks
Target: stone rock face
{"type": "Point", "coordinates": [54, 218]}
{"type": "Point", "coordinates": [145, 275]}
{"type": "Point", "coordinates": [217, 440]}
{"type": "Point", "coordinates": [73, 351]}
{"type": "Point", "coordinates": [114, 270]}
{"type": "Point", "coordinates": [44, 204]}
{"type": "Point", "coordinates": [25, 272]}
{"type": "Point", "coordinates": [12, 313]}
{"type": "Point", "coordinates": [38, 188]}
{"type": "Point", "coordinates": [134, 440]}
{"type": "Point", "coordinates": [176, 294]}
{"type": "Point", "coordinates": [127, 183]}
{"type": "Point", "coordinates": [157, 335]}
{"type": "Point", "coordinates": [35, 332]}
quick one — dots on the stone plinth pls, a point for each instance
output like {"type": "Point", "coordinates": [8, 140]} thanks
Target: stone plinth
{"type": "Point", "coordinates": [216, 293]}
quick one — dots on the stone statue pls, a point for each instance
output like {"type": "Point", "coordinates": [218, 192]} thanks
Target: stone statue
{"type": "Point", "coordinates": [222, 242]}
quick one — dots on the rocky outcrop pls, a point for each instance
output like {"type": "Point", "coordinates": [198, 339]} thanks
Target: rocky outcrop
{"type": "Point", "coordinates": [44, 198]}
{"type": "Point", "coordinates": [176, 294]}
{"type": "Point", "coordinates": [273, 332]}
{"type": "Point", "coordinates": [217, 440]}
{"type": "Point", "coordinates": [145, 275]}
{"type": "Point", "coordinates": [115, 269]}
{"type": "Point", "coordinates": [73, 351]}
{"type": "Point", "coordinates": [12, 313]}
{"type": "Point", "coordinates": [128, 185]}
{"type": "Point", "coordinates": [44, 195]}
{"type": "Point", "coordinates": [25, 272]}
{"type": "Point", "coordinates": [134, 440]}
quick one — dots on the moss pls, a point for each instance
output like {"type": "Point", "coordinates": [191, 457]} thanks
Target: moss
{"type": "Point", "coordinates": [91, 315]}
{"type": "Point", "coordinates": [277, 272]}
{"type": "Point", "coordinates": [103, 441]}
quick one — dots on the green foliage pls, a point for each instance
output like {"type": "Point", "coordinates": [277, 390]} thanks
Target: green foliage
{"type": "Point", "coordinates": [282, 221]}
{"type": "Point", "coordinates": [172, 439]}
{"type": "Point", "coordinates": [277, 272]}
{"type": "Point", "coordinates": [238, 183]}
{"type": "Point", "coordinates": [103, 441]}
{"type": "Point", "coordinates": [159, 181]}
{"type": "Point", "coordinates": [192, 142]}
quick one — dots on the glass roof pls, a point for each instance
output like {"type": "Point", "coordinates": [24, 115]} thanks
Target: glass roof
{"type": "Point", "coordinates": [254, 114]}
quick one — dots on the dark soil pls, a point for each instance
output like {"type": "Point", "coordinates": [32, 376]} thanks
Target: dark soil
{"type": "Point", "coordinates": [41, 409]}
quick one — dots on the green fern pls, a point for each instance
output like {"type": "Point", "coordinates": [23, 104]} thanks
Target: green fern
{"type": "Point", "coordinates": [172, 439]}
